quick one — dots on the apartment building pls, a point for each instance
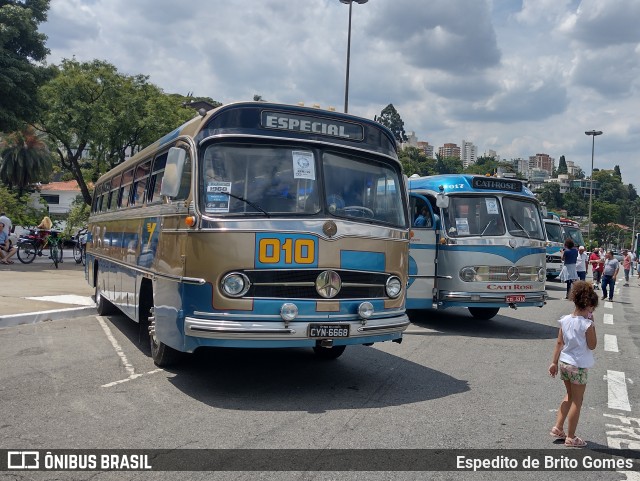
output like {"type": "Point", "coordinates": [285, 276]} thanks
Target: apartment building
{"type": "Point", "coordinates": [468, 153]}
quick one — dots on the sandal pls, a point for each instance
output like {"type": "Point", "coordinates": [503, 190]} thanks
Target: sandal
{"type": "Point", "coordinates": [575, 442]}
{"type": "Point", "coordinates": [3, 262]}
{"type": "Point", "coordinates": [9, 262]}
{"type": "Point", "coordinates": [557, 433]}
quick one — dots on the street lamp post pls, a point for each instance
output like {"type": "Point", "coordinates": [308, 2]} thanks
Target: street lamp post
{"type": "Point", "coordinates": [593, 134]}
{"type": "Point", "coordinates": [346, 86]}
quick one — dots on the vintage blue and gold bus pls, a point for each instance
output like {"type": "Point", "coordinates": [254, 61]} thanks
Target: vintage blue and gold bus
{"type": "Point", "coordinates": [256, 225]}
{"type": "Point", "coordinates": [477, 242]}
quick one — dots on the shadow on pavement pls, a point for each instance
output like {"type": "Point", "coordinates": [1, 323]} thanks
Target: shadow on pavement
{"type": "Point", "coordinates": [459, 322]}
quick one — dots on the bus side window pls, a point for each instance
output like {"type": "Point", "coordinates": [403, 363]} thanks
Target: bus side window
{"type": "Point", "coordinates": [140, 183]}
{"type": "Point", "coordinates": [125, 189]}
{"type": "Point", "coordinates": [153, 193]}
{"type": "Point", "coordinates": [185, 181]}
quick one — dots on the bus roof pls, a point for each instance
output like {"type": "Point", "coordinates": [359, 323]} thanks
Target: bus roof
{"type": "Point", "coordinates": [268, 119]}
{"type": "Point", "coordinates": [463, 183]}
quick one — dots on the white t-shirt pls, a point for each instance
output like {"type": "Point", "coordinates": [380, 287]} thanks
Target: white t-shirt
{"type": "Point", "coordinates": [575, 350]}
{"type": "Point", "coordinates": [581, 262]}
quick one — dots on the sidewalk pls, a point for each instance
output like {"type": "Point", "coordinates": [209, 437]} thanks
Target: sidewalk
{"type": "Point", "coordinates": [39, 292]}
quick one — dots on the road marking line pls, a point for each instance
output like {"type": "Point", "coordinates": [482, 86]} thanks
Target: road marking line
{"type": "Point", "coordinates": [608, 305]}
{"type": "Point", "coordinates": [127, 365]}
{"type": "Point", "coordinates": [610, 343]}
{"type": "Point", "coordinates": [116, 346]}
{"type": "Point", "coordinates": [608, 319]}
{"type": "Point", "coordinates": [617, 391]}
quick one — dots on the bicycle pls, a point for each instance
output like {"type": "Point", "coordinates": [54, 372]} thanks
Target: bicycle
{"type": "Point", "coordinates": [79, 247]}
{"type": "Point", "coordinates": [35, 242]}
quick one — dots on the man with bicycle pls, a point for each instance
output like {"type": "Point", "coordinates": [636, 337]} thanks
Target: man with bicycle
{"type": "Point", "coordinates": [6, 251]}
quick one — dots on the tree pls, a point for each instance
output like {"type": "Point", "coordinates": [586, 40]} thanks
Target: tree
{"type": "Point", "coordinates": [574, 203]}
{"type": "Point", "coordinates": [448, 165]}
{"type": "Point", "coordinates": [24, 159]}
{"type": "Point", "coordinates": [91, 108]}
{"type": "Point", "coordinates": [20, 46]}
{"type": "Point", "coordinates": [562, 166]}
{"type": "Point", "coordinates": [551, 196]}
{"type": "Point", "coordinates": [414, 161]}
{"type": "Point", "coordinates": [617, 173]}
{"type": "Point", "coordinates": [19, 208]}
{"type": "Point", "coordinates": [390, 118]}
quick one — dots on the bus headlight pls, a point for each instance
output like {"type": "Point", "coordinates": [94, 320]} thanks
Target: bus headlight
{"type": "Point", "coordinates": [365, 310]}
{"type": "Point", "coordinates": [393, 287]}
{"type": "Point", "coordinates": [542, 274]}
{"type": "Point", "coordinates": [468, 274]}
{"type": "Point", "coordinates": [235, 284]}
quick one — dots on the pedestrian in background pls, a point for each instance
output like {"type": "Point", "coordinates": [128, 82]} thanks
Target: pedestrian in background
{"type": "Point", "coordinates": [6, 251]}
{"type": "Point", "coordinates": [569, 256]}
{"type": "Point", "coordinates": [572, 358]}
{"type": "Point", "coordinates": [626, 265]}
{"type": "Point", "coordinates": [7, 223]}
{"type": "Point", "coordinates": [609, 275]}
{"type": "Point", "coordinates": [596, 267]}
{"type": "Point", "coordinates": [582, 262]}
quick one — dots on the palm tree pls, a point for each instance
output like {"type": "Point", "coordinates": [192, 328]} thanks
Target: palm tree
{"type": "Point", "coordinates": [24, 159]}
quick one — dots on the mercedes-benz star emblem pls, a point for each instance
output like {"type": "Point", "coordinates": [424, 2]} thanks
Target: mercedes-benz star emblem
{"type": "Point", "coordinates": [513, 274]}
{"type": "Point", "coordinates": [328, 284]}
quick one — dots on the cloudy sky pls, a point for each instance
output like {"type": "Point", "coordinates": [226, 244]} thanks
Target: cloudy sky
{"type": "Point", "coordinates": [516, 76]}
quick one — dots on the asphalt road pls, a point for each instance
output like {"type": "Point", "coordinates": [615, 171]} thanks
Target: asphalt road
{"type": "Point", "coordinates": [89, 383]}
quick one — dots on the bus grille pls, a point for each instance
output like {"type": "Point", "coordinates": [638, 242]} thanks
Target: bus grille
{"type": "Point", "coordinates": [502, 273]}
{"type": "Point", "coordinates": [301, 284]}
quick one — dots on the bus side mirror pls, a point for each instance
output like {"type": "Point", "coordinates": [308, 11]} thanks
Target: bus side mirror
{"type": "Point", "coordinates": [442, 201]}
{"type": "Point", "coordinates": [173, 172]}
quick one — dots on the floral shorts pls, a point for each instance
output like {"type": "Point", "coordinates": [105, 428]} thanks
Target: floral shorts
{"type": "Point", "coordinates": [573, 374]}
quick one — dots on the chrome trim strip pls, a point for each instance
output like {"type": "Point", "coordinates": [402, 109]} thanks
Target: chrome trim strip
{"type": "Point", "coordinates": [467, 296]}
{"type": "Point", "coordinates": [150, 273]}
{"type": "Point", "coordinates": [387, 326]}
{"type": "Point", "coordinates": [221, 316]}
{"type": "Point", "coordinates": [238, 330]}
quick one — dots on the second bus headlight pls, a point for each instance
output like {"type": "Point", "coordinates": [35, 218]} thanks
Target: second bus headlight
{"type": "Point", "coordinates": [393, 287]}
{"type": "Point", "coordinates": [468, 274]}
{"type": "Point", "coordinates": [235, 284]}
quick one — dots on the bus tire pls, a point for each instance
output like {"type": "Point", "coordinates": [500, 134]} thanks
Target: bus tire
{"type": "Point", "coordinates": [329, 352]}
{"type": "Point", "coordinates": [162, 355]}
{"type": "Point", "coordinates": [484, 313]}
{"type": "Point", "coordinates": [103, 306]}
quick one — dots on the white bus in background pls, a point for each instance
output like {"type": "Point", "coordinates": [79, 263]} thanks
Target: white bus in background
{"type": "Point", "coordinates": [555, 242]}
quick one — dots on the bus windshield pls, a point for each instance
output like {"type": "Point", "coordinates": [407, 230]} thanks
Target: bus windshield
{"type": "Point", "coordinates": [473, 216]}
{"type": "Point", "coordinates": [554, 232]}
{"type": "Point", "coordinates": [575, 234]}
{"type": "Point", "coordinates": [244, 179]}
{"type": "Point", "coordinates": [523, 218]}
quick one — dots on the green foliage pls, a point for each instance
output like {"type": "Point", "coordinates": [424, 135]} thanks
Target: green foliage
{"type": "Point", "coordinates": [24, 159]}
{"type": "Point", "coordinates": [551, 196]}
{"type": "Point", "coordinates": [20, 46]}
{"type": "Point", "coordinates": [562, 166]}
{"type": "Point", "coordinates": [448, 165]}
{"type": "Point", "coordinates": [575, 203]}
{"type": "Point", "coordinates": [78, 216]}
{"type": "Point", "coordinates": [415, 161]}
{"type": "Point", "coordinates": [91, 107]}
{"type": "Point", "coordinates": [18, 209]}
{"type": "Point", "coordinates": [390, 118]}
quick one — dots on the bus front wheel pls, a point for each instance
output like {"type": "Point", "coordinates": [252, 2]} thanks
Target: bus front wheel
{"type": "Point", "coordinates": [484, 313]}
{"type": "Point", "coordinates": [162, 355]}
{"type": "Point", "coordinates": [329, 352]}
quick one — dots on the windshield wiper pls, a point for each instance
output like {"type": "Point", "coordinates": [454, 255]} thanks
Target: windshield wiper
{"type": "Point", "coordinates": [521, 228]}
{"type": "Point", "coordinates": [486, 227]}
{"type": "Point", "coordinates": [255, 206]}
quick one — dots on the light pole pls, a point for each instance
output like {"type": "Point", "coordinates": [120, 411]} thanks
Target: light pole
{"type": "Point", "coordinates": [593, 134]}
{"type": "Point", "coordinates": [346, 86]}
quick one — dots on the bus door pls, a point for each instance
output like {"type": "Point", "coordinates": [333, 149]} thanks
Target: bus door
{"type": "Point", "coordinates": [423, 252]}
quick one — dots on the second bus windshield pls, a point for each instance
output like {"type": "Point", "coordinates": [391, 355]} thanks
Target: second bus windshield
{"type": "Point", "coordinates": [242, 179]}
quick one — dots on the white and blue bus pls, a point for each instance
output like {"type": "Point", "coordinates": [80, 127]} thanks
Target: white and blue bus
{"type": "Point", "coordinates": [256, 225]}
{"type": "Point", "coordinates": [555, 243]}
{"type": "Point", "coordinates": [482, 246]}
